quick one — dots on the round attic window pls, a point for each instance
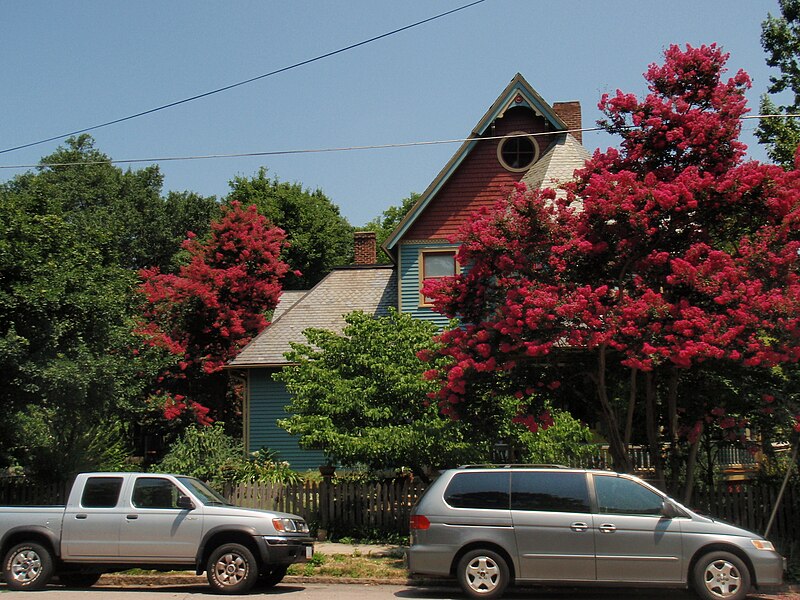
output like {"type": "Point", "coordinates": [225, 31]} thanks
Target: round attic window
{"type": "Point", "coordinates": [517, 153]}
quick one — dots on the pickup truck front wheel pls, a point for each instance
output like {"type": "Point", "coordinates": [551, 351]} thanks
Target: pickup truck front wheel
{"type": "Point", "coordinates": [27, 566]}
{"type": "Point", "coordinates": [232, 569]}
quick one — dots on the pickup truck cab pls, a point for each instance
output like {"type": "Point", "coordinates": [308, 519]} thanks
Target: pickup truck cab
{"type": "Point", "coordinates": [117, 521]}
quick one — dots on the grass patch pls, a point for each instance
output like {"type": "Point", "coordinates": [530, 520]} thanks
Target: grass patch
{"type": "Point", "coordinates": [355, 566]}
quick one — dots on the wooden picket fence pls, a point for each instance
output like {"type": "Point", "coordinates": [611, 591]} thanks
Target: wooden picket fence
{"type": "Point", "coordinates": [366, 509]}
{"type": "Point", "coordinates": [339, 508]}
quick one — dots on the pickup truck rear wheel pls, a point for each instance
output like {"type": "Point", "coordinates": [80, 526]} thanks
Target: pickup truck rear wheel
{"type": "Point", "coordinates": [27, 566]}
{"type": "Point", "coordinates": [232, 569]}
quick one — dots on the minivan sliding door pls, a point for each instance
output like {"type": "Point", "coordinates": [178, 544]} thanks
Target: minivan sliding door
{"type": "Point", "coordinates": [553, 526]}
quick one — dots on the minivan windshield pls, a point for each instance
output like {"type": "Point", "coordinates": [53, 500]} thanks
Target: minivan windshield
{"type": "Point", "coordinates": [205, 494]}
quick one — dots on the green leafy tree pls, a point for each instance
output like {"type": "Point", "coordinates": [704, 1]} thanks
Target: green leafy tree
{"type": "Point", "coordinates": [780, 38]}
{"type": "Point", "coordinates": [71, 234]}
{"type": "Point", "coordinates": [384, 225]}
{"type": "Point", "coordinates": [361, 397]}
{"type": "Point", "coordinates": [65, 342]}
{"type": "Point", "coordinates": [139, 227]}
{"type": "Point", "coordinates": [320, 238]}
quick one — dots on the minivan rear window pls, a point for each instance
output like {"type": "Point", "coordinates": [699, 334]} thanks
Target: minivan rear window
{"type": "Point", "coordinates": [478, 490]}
{"type": "Point", "coordinates": [554, 492]}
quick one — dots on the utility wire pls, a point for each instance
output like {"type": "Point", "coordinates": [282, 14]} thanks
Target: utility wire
{"type": "Point", "coordinates": [246, 81]}
{"type": "Point", "coordinates": [337, 149]}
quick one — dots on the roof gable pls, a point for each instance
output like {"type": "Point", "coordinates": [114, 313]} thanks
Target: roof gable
{"type": "Point", "coordinates": [517, 93]}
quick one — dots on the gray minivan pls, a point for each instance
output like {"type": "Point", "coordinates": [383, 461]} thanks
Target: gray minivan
{"type": "Point", "coordinates": [492, 525]}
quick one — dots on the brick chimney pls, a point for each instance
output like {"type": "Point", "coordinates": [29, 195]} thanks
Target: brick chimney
{"type": "Point", "coordinates": [570, 113]}
{"type": "Point", "coordinates": [365, 248]}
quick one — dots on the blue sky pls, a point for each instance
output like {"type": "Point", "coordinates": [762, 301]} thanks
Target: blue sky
{"type": "Point", "coordinates": [68, 65]}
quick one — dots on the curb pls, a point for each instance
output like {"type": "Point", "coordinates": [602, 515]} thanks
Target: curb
{"type": "Point", "coordinates": [189, 578]}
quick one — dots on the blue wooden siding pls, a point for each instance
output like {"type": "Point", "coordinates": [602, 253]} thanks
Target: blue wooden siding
{"type": "Point", "coordinates": [409, 283]}
{"type": "Point", "coordinates": [267, 399]}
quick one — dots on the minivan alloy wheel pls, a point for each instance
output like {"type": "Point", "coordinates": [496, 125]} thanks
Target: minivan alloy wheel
{"type": "Point", "coordinates": [483, 574]}
{"type": "Point", "coordinates": [721, 576]}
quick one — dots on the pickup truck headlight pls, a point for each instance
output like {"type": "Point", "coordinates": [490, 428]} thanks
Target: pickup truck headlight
{"type": "Point", "coordinates": [763, 545]}
{"type": "Point", "coordinates": [290, 525]}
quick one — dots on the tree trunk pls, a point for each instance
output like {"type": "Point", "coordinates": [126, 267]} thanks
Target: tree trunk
{"type": "Point", "coordinates": [615, 444]}
{"type": "Point", "coordinates": [631, 407]}
{"type": "Point", "coordinates": [651, 418]}
{"type": "Point", "coordinates": [691, 465]}
{"type": "Point", "coordinates": [672, 421]}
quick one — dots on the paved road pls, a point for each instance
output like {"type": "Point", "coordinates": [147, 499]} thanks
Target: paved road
{"type": "Point", "coordinates": [329, 591]}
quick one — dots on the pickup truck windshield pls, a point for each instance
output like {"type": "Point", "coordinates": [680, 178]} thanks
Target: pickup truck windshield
{"type": "Point", "coordinates": [205, 494]}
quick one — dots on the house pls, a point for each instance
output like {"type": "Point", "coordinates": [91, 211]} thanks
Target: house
{"type": "Point", "coordinates": [520, 138]}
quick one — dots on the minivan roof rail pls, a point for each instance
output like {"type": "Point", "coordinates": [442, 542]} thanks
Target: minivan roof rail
{"type": "Point", "coordinates": [514, 466]}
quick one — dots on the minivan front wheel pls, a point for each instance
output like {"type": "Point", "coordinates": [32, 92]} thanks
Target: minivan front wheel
{"type": "Point", "coordinates": [721, 576]}
{"type": "Point", "coordinates": [483, 574]}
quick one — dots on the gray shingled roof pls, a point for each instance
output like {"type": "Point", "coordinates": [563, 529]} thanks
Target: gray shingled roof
{"type": "Point", "coordinates": [557, 165]}
{"type": "Point", "coordinates": [372, 289]}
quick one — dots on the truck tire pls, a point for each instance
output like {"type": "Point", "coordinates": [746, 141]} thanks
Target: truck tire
{"type": "Point", "coordinates": [483, 574]}
{"type": "Point", "coordinates": [27, 566]}
{"type": "Point", "coordinates": [721, 576]}
{"type": "Point", "coordinates": [78, 580]}
{"type": "Point", "coordinates": [271, 577]}
{"type": "Point", "coordinates": [232, 569]}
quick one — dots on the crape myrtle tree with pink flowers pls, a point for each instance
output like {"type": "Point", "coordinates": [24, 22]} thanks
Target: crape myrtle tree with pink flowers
{"type": "Point", "coordinates": [660, 287]}
{"type": "Point", "coordinates": [206, 313]}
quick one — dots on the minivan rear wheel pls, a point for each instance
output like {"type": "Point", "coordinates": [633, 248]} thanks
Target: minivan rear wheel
{"type": "Point", "coordinates": [721, 576]}
{"type": "Point", "coordinates": [483, 574]}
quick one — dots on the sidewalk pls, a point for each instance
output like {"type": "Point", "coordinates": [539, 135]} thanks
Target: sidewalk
{"type": "Point", "coordinates": [359, 549]}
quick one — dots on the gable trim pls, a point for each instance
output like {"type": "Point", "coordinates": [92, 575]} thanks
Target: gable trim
{"type": "Point", "coordinates": [517, 87]}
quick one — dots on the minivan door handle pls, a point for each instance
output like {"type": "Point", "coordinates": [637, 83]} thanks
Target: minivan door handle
{"type": "Point", "coordinates": [607, 528]}
{"type": "Point", "coordinates": [81, 516]}
{"type": "Point", "coordinates": [579, 526]}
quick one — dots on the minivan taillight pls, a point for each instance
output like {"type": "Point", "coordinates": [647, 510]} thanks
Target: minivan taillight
{"type": "Point", "coordinates": [419, 522]}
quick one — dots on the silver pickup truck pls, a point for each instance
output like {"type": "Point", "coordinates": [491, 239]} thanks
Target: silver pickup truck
{"type": "Point", "coordinates": [117, 521]}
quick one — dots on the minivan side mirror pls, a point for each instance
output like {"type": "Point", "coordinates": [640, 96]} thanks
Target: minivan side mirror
{"type": "Point", "coordinates": [185, 503]}
{"type": "Point", "coordinates": [669, 510]}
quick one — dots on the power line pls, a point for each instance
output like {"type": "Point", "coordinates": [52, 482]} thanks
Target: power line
{"type": "Point", "coordinates": [336, 149]}
{"type": "Point", "coordinates": [296, 151]}
{"type": "Point", "coordinates": [246, 81]}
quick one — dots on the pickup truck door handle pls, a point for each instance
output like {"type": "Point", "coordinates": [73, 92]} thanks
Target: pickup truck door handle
{"type": "Point", "coordinates": [579, 527]}
{"type": "Point", "coordinates": [607, 528]}
{"type": "Point", "coordinates": [132, 517]}
{"type": "Point", "coordinates": [81, 516]}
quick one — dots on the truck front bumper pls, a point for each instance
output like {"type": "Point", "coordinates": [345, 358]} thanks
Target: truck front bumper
{"type": "Point", "coordinates": [285, 550]}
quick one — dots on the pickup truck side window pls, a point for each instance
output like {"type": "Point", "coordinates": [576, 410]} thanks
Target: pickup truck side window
{"type": "Point", "coordinates": [154, 492]}
{"type": "Point", "coordinates": [101, 492]}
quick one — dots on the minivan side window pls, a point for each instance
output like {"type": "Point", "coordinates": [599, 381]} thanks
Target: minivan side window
{"type": "Point", "coordinates": [101, 492]}
{"type": "Point", "coordinates": [620, 496]}
{"type": "Point", "coordinates": [478, 490]}
{"type": "Point", "coordinates": [554, 492]}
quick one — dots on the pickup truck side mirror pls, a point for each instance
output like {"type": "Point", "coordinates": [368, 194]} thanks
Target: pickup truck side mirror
{"type": "Point", "coordinates": [185, 503]}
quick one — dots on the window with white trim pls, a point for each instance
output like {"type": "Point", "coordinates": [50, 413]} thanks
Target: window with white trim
{"type": "Point", "coordinates": [435, 264]}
